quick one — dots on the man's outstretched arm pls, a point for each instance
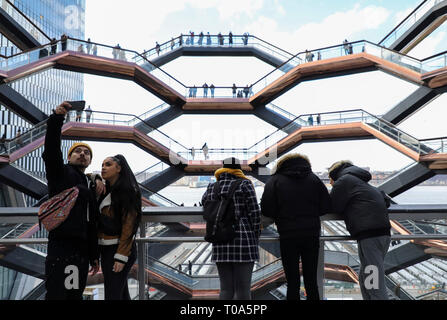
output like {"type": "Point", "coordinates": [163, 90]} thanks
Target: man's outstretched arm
{"type": "Point", "coordinates": [52, 154]}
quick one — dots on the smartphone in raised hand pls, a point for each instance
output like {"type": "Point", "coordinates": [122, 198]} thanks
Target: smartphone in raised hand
{"type": "Point", "coordinates": [77, 105]}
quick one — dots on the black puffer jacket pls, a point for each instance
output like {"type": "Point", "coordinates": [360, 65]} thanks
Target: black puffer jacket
{"type": "Point", "coordinates": [362, 205]}
{"type": "Point", "coordinates": [295, 198]}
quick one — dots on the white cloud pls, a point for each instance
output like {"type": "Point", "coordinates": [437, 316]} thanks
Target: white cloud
{"type": "Point", "coordinates": [340, 25]}
{"type": "Point", "coordinates": [330, 31]}
{"type": "Point", "coordinates": [231, 9]}
{"type": "Point", "coordinates": [280, 9]}
{"type": "Point", "coordinates": [138, 26]}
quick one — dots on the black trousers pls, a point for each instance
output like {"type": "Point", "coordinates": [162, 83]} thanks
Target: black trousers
{"type": "Point", "coordinates": [66, 270]}
{"type": "Point", "coordinates": [115, 283]}
{"type": "Point", "coordinates": [235, 280]}
{"type": "Point", "coordinates": [306, 248]}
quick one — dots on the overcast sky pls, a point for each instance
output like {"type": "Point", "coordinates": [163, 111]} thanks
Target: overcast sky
{"type": "Point", "coordinates": [292, 25]}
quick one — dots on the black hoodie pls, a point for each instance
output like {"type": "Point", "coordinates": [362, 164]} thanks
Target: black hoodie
{"type": "Point", "coordinates": [362, 205]}
{"type": "Point", "coordinates": [295, 198]}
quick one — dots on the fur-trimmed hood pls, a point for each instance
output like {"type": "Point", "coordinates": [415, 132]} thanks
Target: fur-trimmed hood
{"type": "Point", "coordinates": [296, 165]}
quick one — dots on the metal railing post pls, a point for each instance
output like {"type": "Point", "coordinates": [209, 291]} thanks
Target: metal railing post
{"type": "Point", "coordinates": [141, 260]}
{"type": "Point", "coordinates": [320, 270]}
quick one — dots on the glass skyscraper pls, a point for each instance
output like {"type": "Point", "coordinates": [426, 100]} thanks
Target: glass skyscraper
{"type": "Point", "coordinates": [45, 90]}
{"type": "Point", "coordinates": [48, 88]}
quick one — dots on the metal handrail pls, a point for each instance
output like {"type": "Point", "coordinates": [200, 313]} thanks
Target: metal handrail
{"type": "Point", "coordinates": [261, 239]}
{"type": "Point", "coordinates": [381, 120]}
{"type": "Point", "coordinates": [403, 21]}
{"type": "Point", "coordinates": [215, 35]}
{"type": "Point", "coordinates": [331, 47]}
{"type": "Point", "coordinates": [142, 121]}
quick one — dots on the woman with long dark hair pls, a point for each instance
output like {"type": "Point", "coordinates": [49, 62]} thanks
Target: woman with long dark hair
{"type": "Point", "coordinates": [119, 218]}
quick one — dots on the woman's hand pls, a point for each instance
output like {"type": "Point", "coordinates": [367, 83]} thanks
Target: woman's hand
{"type": "Point", "coordinates": [95, 267]}
{"type": "Point", "coordinates": [100, 187]}
{"type": "Point", "coordinates": [118, 267]}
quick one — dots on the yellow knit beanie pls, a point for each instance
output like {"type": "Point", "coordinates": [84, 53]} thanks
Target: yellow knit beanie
{"type": "Point", "coordinates": [80, 144]}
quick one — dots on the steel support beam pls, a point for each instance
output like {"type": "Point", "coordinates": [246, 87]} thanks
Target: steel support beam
{"type": "Point", "coordinates": [22, 181]}
{"type": "Point", "coordinates": [407, 179]}
{"type": "Point", "coordinates": [403, 257]}
{"type": "Point", "coordinates": [12, 30]}
{"type": "Point", "coordinates": [411, 104]}
{"type": "Point", "coordinates": [163, 179]}
{"type": "Point", "coordinates": [410, 37]}
{"type": "Point", "coordinates": [20, 105]}
{"type": "Point", "coordinates": [159, 119]}
{"type": "Point", "coordinates": [275, 119]}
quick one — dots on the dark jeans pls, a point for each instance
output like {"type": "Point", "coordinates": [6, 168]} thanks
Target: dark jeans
{"type": "Point", "coordinates": [235, 280]}
{"type": "Point", "coordinates": [115, 284]}
{"type": "Point", "coordinates": [291, 250]}
{"type": "Point", "coordinates": [66, 270]}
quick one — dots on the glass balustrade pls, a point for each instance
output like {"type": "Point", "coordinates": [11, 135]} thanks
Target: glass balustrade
{"type": "Point", "coordinates": [409, 21]}
{"type": "Point", "coordinates": [282, 112]}
{"type": "Point", "coordinates": [349, 116]}
{"type": "Point", "coordinates": [40, 177]}
{"type": "Point", "coordinates": [24, 139]}
{"type": "Point", "coordinates": [421, 66]}
{"type": "Point", "coordinates": [437, 145]}
{"type": "Point", "coordinates": [149, 114]}
{"type": "Point", "coordinates": [189, 266]}
{"type": "Point", "coordinates": [121, 119]}
{"type": "Point", "coordinates": [218, 92]}
{"type": "Point", "coordinates": [204, 275]}
{"type": "Point", "coordinates": [24, 22]}
{"type": "Point", "coordinates": [217, 154]}
{"type": "Point", "coordinates": [153, 170]}
{"type": "Point", "coordinates": [393, 56]}
{"type": "Point", "coordinates": [317, 119]}
{"type": "Point", "coordinates": [93, 49]}
{"type": "Point", "coordinates": [178, 152]}
{"type": "Point", "coordinates": [434, 63]}
{"type": "Point", "coordinates": [157, 198]}
{"type": "Point", "coordinates": [398, 172]}
{"type": "Point", "coordinates": [216, 41]}
{"type": "Point", "coordinates": [25, 58]}
{"type": "Point", "coordinates": [169, 272]}
{"type": "Point", "coordinates": [339, 51]}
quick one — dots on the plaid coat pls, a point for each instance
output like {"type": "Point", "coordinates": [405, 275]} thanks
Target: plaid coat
{"type": "Point", "coordinates": [244, 247]}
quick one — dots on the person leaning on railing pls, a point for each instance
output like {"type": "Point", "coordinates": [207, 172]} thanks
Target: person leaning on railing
{"type": "Point", "coordinates": [364, 209]}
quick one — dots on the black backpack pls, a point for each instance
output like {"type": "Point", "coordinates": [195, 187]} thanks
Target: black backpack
{"type": "Point", "coordinates": [219, 215]}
